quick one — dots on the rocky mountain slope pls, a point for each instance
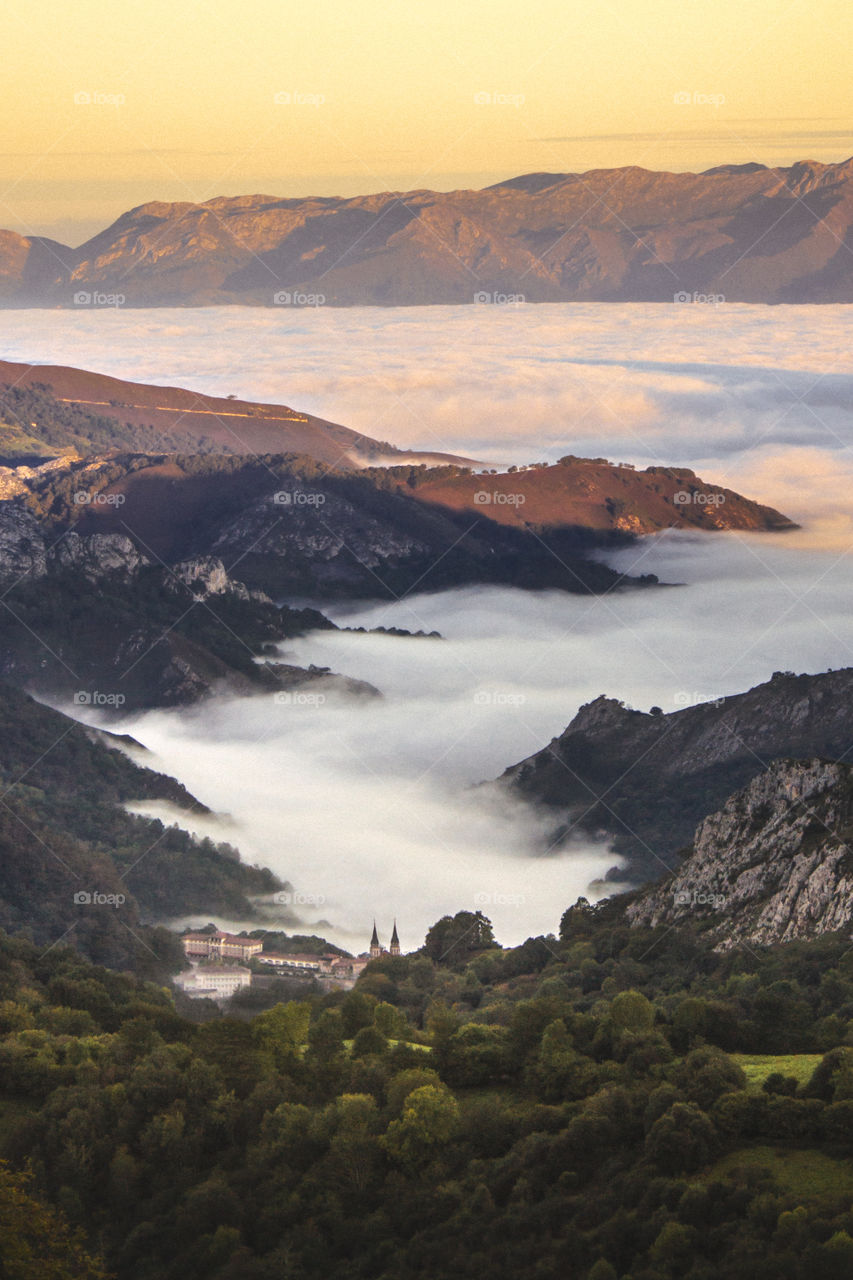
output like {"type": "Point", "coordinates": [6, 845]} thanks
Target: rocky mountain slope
{"type": "Point", "coordinates": [154, 575]}
{"type": "Point", "coordinates": [773, 865]}
{"type": "Point", "coordinates": [743, 232]}
{"type": "Point", "coordinates": [646, 781]}
{"type": "Point", "coordinates": [292, 526]}
{"type": "Point", "coordinates": [51, 412]}
{"type": "Point", "coordinates": [115, 585]}
{"type": "Point", "coordinates": [94, 620]}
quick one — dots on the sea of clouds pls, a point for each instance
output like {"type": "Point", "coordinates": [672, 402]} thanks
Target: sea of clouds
{"type": "Point", "coordinates": [755, 397]}
{"type": "Point", "coordinates": [373, 808]}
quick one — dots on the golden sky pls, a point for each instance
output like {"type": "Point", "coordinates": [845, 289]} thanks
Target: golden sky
{"type": "Point", "coordinates": [108, 105]}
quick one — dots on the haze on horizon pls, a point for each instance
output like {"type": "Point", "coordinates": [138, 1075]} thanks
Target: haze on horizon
{"type": "Point", "coordinates": [108, 109]}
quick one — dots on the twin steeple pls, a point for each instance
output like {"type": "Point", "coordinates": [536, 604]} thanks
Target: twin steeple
{"type": "Point", "coordinates": [377, 950]}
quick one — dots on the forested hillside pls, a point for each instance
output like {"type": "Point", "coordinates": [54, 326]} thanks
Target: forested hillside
{"type": "Point", "coordinates": [612, 1102]}
{"type": "Point", "coordinates": [64, 831]}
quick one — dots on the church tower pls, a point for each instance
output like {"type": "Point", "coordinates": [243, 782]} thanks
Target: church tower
{"type": "Point", "coordinates": [395, 942]}
{"type": "Point", "coordinates": [375, 949]}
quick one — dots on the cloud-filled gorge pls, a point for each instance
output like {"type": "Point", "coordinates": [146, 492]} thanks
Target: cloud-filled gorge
{"type": "Point", "coordinates": [373, 807]}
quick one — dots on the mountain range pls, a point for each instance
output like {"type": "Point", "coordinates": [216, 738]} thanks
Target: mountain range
{"type": "Point", "coordinates": [739, 233]}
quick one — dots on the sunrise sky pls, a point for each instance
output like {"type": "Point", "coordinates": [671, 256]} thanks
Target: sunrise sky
{"type": "Point", "coordinates": [107, 106]}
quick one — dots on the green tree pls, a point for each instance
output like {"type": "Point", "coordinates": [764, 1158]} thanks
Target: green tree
{"type": "Point", "coordinates": [673, 1246]}
{"type": "Point", "coordinates": [706, 1074]}
{"type": "Point", "coordinates": [682, 1140]}
{"type": "Point", "coordinates": [282, 1030]}
{"type": "Point", "coordinates": [452, 939]}
{"type": "Point", "coordinates": [35, 1241]}
{"type": "Point", "coordinates": [369, 1040]}
{"type": "Point", "coordinates": [326, 1034]}
{"type": "Point", "coordinates": [836, 1257]}
{"type": "Point", "coordinates": [429, 1120]}
{"type": "Point", "coordinates": [404, 1083]}
{"type": "Point", "coordinates": [356, 1012]}
{"type": "Point", "coordinates": [631, 1011]}
{"type": "Point", "coordinates": [390, 1021]}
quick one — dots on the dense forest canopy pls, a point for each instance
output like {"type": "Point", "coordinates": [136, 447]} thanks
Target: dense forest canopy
{"type": "Point", "coordinates": [609, 1102]}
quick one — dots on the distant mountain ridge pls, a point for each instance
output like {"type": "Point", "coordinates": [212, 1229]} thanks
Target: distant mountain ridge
{"type": "Point", "coordinates": [742, 233]}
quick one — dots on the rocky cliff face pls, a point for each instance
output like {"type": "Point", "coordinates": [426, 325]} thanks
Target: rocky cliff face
{"type": "Point", "coordinates": [23, 552]}
{"type": "Point", "coordinates": [90, 617]}
{"type": "Point", "coordinates": [28, 551]}
{"type": "Point", "coordinates": [646, 781]}
{"type": "Point", "coordinates": [773, 865]}
{"type": "Point", "coordinates": [129, 552]}
{"type": "Point", "coordinates": [743, 232]}
{"type": "Point", "coordinates": [206, 576]}
{"type": "Point", "coordinates": [298, 529]}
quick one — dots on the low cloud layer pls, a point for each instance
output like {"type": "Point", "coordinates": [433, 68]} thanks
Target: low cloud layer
{"type": "Point", "coordinates": [726, 389]}
{"type": "Point", "coordinates": [373, 808]}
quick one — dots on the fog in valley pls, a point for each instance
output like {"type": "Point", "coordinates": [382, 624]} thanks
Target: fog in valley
{"type": "Point", "coordinates": [371, 807]}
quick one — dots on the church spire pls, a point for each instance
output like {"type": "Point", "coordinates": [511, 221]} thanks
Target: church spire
{"type": "Point", "coordinates": [375, 949]}
{"type": "Point", "coordinates": [395, 942]}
